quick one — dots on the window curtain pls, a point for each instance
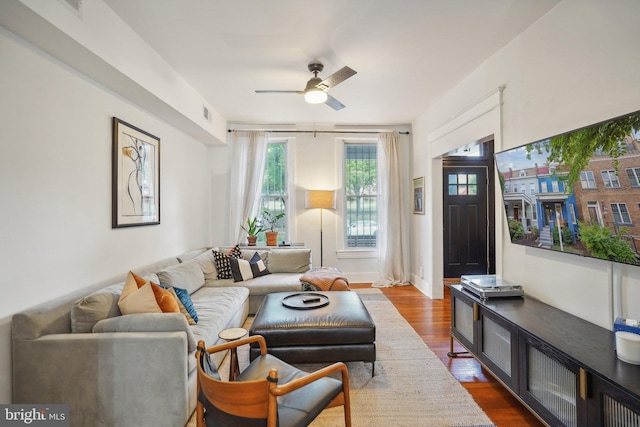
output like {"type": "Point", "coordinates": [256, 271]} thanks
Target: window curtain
{"type": "Point", "coordinates": [393, 253]}
{"type": "Point", "coordinates": [249, 150]}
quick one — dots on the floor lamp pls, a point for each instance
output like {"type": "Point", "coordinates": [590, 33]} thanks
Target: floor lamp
{"type": "Point", "coordinates": [322, 199]}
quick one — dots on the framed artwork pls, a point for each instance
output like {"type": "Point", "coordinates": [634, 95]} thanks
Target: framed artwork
{"type": "Point", "coordinates": [418, 195]}
{"type": "Point", "coordinates": [135, 176]}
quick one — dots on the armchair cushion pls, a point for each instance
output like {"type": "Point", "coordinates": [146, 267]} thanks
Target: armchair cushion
{"type": "Point", "coordinates": [301, 406]}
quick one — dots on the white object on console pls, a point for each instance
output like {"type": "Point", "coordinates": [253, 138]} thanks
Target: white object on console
{"type": "Point", "coordinates": [628, 347]}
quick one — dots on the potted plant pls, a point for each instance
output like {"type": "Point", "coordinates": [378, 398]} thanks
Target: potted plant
{"type": "Point", "coordinates": [272, 221]}
{"type": "Point", "coordinates": [253, 228]}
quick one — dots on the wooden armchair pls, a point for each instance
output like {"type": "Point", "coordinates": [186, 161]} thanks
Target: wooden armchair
{"type": "Point", "coordinates": [269, 392]}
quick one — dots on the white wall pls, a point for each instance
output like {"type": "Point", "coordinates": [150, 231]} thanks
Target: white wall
{"type": "Point", "coordinates": [575, 66]}
{"type": "Point", "coordinates": [55, 187]}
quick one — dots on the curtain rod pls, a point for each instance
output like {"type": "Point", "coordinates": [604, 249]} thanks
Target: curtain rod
{"type": "Point", "coordinates": [313, 131]}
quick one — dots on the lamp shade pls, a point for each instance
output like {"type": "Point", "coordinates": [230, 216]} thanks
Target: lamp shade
{"type": "Point", "coordinates": [325, 199]}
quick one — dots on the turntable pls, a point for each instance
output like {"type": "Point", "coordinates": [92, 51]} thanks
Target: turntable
{"type": "Point", "coordinates": [490, 286]}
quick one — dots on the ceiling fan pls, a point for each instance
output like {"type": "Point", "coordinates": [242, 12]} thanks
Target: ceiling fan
{"type": "Point", "coordinates": [316, 90]}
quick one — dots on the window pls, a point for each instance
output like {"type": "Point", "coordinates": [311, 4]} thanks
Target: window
{"type": "Point", "coordinates": [532, 189]}
{"type": "Point", "coordinates": [610, 179]}
{"type": "Point", "coordinates": [634, 176]}
{"type": "Point", "coordinates": [620, 213]}
{"type": "Point", "coordinates": [274, 187]}
{"type": "Point", "coordinates": [361, 189]}
{"type": "Point", "coordinates": [587, 180]}
{"type": "Point", "coordinates": [465, 184]}
{"type": "Point", "coordinates": [523, 188]}
{"type": "Point", "coordinates": [572, 212]}
{"type": "Point", "coordinates": [554, 187]}
{"type": "Point", "coordinates": [543, 187]}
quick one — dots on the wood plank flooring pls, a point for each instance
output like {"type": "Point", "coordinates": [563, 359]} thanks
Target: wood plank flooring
{"type": "Point", "coordinates": [431, 319]}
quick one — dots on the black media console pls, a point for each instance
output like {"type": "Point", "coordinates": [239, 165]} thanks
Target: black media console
{"type": "Point", "coordinates": [561, 367]}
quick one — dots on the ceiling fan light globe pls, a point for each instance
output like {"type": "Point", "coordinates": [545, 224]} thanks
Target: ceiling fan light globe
{"type": "Point", "coordinates": [315, 96]}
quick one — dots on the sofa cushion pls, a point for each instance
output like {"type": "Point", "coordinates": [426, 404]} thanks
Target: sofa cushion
{"type": "Point", "coordinates": [148, 322]}
{"type": "Point", "coordinates": [137, 296]}
{"type": "Point", "coordinates": [216, 307]}
{"type": "Point", "coordinates": [208, 265]}
{"type": "Point", "coordinates": [187, 276]}
{"type": "Point", "coordinates": [101, 304]}
{"type": "Point", "coordinates": [289, 260]}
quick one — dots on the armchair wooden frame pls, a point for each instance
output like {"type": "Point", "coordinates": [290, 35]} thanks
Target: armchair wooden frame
{"type": "Point", "coordinates": [258, 399]}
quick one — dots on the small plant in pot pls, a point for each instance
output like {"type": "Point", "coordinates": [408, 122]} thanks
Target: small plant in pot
{"type": "Point", "coordinates": [272, 221]}
{"type": "Point", "coordinates": [252, 228]}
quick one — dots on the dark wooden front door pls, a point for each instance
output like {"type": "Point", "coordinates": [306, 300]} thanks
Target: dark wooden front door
{"type": "Point", "coordinates": [466, 221]}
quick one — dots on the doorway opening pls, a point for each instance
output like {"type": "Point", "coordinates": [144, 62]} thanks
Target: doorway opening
{"type": "Point", "coordinates": [469, 211]}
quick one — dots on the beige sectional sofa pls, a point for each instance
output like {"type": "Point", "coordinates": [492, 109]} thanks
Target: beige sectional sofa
{"type": "Point", "coordinates": [137, 369]}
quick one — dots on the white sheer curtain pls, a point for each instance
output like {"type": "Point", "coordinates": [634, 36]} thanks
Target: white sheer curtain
{"type": "Point", "coordinates": [249, 150]}
{"type": "Point", "coordinates": [393, 252]}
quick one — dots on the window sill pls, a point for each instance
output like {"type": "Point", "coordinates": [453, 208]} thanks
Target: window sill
{"type": "Point", "coordinates": [357, 253]}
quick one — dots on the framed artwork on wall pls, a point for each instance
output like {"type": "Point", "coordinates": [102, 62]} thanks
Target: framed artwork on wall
{"type": "Point", "coordinates": [418, 195]}
{"type": "Point", "coordinates": [135, 176]}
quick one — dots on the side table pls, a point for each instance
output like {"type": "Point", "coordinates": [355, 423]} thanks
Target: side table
{"type": "Point", "coordinates": [233, 334]}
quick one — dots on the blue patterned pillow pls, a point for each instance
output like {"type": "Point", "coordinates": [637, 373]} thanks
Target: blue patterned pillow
{"type": "Point", "coordinates": [185, 299]}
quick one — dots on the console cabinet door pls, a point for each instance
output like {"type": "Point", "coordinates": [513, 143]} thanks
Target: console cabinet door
{"type": "Point", "coordinates": [497, 347]}
{"type": "Point", "coordinates": [611, 407]}
{"type": "Point", "coordinates": [463, 316]}
{"type": "Point", "coordinates": [550, 383]}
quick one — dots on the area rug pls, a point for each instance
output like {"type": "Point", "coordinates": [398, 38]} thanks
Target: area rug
{"type": "Point", "coordinates": [411, 387]}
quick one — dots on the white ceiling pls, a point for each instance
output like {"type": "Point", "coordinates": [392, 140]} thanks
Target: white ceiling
{"type": "Point", "coordinates": [408, 53]}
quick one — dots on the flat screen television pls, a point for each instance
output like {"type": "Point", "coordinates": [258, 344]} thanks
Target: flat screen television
{"type": "Point", "coordinates": [577, 192]}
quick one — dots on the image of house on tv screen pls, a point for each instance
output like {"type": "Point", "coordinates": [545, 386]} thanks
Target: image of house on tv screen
{"type": "Point", "coordinates": [578, 192]}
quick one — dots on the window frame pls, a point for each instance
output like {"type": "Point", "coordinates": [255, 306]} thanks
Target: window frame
{"type": "Point", "coordinates": [617, 205]}
{"type": "Point", "coordinates": [345, 196]}
{"type": "Point", "coordinates": [588, 178]}
{"type": "Point", "coordinates": [610, 178]}
{"type": "Point", "coordinates": [634, 176]}
{"type": "Point", "coordinates": [342, 250]}
{"type": "Point", "coordinates": [288, 194]}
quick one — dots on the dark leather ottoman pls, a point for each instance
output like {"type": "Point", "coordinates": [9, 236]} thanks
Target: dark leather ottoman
{"type": "Point", "coordinates": [341, 331]}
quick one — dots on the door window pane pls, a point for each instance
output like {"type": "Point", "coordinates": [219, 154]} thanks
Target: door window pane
{"type": "Point", "coordinates": [463, 184]}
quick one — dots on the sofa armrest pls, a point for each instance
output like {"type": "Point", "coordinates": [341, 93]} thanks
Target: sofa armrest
{"type": "Point", "coordinates": [148, 322]}
{"type": "Point", "coordinates": [107, 379]}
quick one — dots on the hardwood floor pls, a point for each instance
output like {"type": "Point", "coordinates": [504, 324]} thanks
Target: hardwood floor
{"type": "Point", "coordinates": [431, 319]}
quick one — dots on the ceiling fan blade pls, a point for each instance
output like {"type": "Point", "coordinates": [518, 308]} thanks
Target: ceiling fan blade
{"type": "Point", "coordinates": [334, 103]}
{"type": "Point", "coordinates": [336, 78]}
{"type": "Point", "coordinates": [279, 91]}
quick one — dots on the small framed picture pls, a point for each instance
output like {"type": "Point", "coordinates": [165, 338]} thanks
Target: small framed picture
{"type": "Point", "coordinates": [418, 195]}
{"type": "Point", "coordinates": [135, 176]}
